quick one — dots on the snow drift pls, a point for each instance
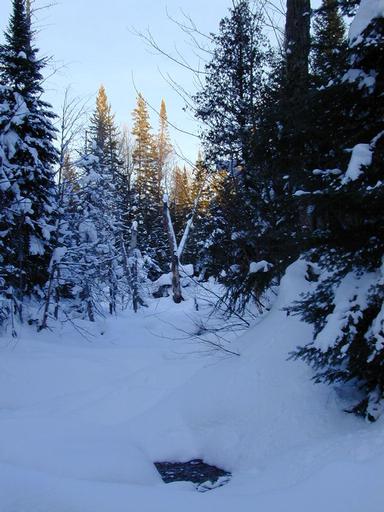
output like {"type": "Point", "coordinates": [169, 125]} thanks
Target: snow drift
{"type": "Point", "coordinates": [83, 422]}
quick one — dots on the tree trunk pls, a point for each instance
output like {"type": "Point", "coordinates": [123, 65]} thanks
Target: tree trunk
{"type": "Point", "coordinates": [44, 321]}
{"type": "Point", "coordinates": [297, 45]}
{"type": "Point", "coordinates": [131, 268]}
{"type": "Point", "coordinates": [176, 283]}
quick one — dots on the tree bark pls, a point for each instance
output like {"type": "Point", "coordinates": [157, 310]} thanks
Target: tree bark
{"type": "Point", "coordinates": [176, 283]}
{"type": "Point", "coordinates": [297, 45]}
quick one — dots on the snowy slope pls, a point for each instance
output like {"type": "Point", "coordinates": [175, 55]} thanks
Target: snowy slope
{"type": "Point", "coordinates": [82, 421]}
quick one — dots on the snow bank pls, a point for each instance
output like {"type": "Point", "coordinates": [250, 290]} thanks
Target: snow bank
{"type": "Point", "coordinates": [166, 279]}
{"type": "Point", "coordinates": [82, 422]}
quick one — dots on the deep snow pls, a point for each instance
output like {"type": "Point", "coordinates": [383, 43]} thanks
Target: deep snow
{"type": "Point", "coordinates": [82, 420]}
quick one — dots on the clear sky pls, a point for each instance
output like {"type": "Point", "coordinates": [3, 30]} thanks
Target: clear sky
{"type": "Point", "coordinates": [94, 42]}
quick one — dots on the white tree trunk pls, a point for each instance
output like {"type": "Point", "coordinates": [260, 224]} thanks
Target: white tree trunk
{"type": "Point", "coordinates": [176, 283]}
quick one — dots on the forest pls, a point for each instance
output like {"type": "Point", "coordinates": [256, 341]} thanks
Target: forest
{"type": "Point", "coordinates": [264, 254]}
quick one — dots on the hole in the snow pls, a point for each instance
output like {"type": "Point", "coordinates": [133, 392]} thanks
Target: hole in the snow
{"type": "Point", "coordinates": [197, 471]}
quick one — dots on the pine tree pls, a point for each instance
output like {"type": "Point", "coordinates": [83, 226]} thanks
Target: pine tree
{"type": "Point", "coordinates": [92, 231]}
{"type": "Point", "coordinates": [69, 171]}
{"type": "Point", "coordinates": [27, 157]}
{"type": "Point", "coordinates": [346, 306]}
{"type": "Point", "coordinates": [152, 238]}
{"type": "Point", "coordinates": [329, 43]}
{"type": "Point", "coordinates": [163, 149]}
{"type": "Point", "coordinates": [180, 200]}
{"type": "Point", "coordinates": [200, 197]}
{"type": "Point", "coordinates": [104, 195]}
{"type": "Point", "coordinates": [200, 183]}
{"type": "Point", "coordinates": [229, 101]}
{"type": "Point", "coordinates": [94, 246]}
{"type": "Point", "coordinates": [218, 250]}
{"type": "Point", "coordinates": [282, 148]}
{"type": "Point", "coordinates": [104, 133]}
{"type": "Point", "coordinates": [125, 188]}
{"type": "Point", "coordinates": [144, 153]}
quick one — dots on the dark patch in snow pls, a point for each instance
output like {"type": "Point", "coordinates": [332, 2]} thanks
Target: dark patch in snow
{"type": "Point", "coordinates": [197, 471]}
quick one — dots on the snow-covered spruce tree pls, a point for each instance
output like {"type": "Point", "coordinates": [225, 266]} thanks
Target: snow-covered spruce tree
{"type": "Point", "coordinates": [112, 227]}
{"type": "Point", "coordinates": [104, 135]}
{"type": "Point", "coordinates": [90, 272]}
{"type": "Point", "coordinates": [115, 154]}
{"type": "Point", "coordinates": [347, 305]}
{"type": "Point", "coordinates": [126, 189]}
{"type": "Point", "coordinates": [27, 157]}
{"type": "Point", "coordinates": [87, 267]}
{"type": "Point", "coordinates": [93, 256]}
{"type": "Point", "coordinates": [283, 145]}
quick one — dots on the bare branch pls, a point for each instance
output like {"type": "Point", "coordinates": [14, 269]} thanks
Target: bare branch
{"type": "Point", "coordinates": [152, 43]}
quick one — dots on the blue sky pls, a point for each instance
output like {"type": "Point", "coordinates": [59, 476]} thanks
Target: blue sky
{"type": "Point", "coordinates": [94, 43]}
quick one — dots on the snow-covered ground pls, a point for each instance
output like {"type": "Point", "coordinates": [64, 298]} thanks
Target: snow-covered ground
{"type": "Point", "coordinates": [83, 418]}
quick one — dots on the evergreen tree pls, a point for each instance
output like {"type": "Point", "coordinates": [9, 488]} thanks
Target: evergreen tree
{"type": "Point", "coordinates": [293, 108]}
{"type": "Point", "coordinates": [346, 306]}
{"type": "Point", "coordinates": [230, 99]}
{"type": "Point", "coordinates": [163, 149]}
{"type": "Point", "coordinates": [180, 200]}
{"type": "Point", "coordinates": [144, 152]}
{"type": "Point", "coordinates": [69, 171]}
{"type": "Point", "coordinates": [126, 189]}
{"type": "Point", "coordinates": [92, 229]}
{"type": "Point", "coordinates": [200, 197]}
{"type": "Point", "coordinates": [103, 197]}
{"type": "Point", "coordinates": [231, 103]}
{"type": "Point", "coordinates": [152, 237]}
{"type": "Point", "coordinates": [104, 133]}
{"type": "Point", "coordinates": [27, 157]}
{"type": "Point", "coordinates": [329, 43]}
{"type": "Point", "coordinates": [94, 250]}
{"type": "Point", "coordinates": [200, 183]}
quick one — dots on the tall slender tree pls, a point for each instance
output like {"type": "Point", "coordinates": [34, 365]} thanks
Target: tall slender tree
{"type": "Point", "coordinates": [103, 131]}
{"type": "Point", "coordinates": [329, 45]}
{"type": "Point", "coordinates": [180, 199]}
{"type": "Point", "coordinates": [230, 99]}
{"type": "Point", "coordinates": [27, 157]}
{"type": "Point", "coordinates": [144, 152]}
{"type": "Point", "coordinates": [163, 148]}
{"type": "Point", "coordinates": [151, 235]}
